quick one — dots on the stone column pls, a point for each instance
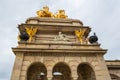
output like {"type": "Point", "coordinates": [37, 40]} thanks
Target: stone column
{"type": "Point", "coordinates": [74, 78]}
{"type": "Point", "coordinates": [101, 70]}
{"type": "Point", "coordinates": [49, 74]}
{"type": "Point", "coordinates": [17, 66]}
{"type": "Point", "coordinates": [74, 75]}
{"type": "Point", "coordinates": [73, 67]}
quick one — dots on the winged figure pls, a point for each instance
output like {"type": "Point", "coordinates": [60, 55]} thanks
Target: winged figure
{"type": "Point", "coordinates": [31, 32]}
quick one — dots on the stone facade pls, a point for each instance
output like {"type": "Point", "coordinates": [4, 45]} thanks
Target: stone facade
{"type": "Point", "coordinates": [114, 69]}
{"type": "Point", "coordinates": [58, 60]}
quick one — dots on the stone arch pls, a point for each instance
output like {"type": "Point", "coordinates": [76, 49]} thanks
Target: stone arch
{"type": "Point", "coordinates": [61, 71]}
{"type": "Point", "coordinates": [114, 77]}
{"type": "Point", "coordinates": [85, 72]}
{"type": "Point", "coordinates": [36, 71]}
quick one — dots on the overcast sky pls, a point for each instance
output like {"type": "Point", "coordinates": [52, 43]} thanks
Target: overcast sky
{"type": "Point", "coordinates": [103, 16]}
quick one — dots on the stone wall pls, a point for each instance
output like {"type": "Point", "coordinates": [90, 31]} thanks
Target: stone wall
{"type": "Point", "coordinates": [69, 53]}
{"type": "Point", "coordinates": [72, 60]}
{"type": "Point", "coordinates": [114, 68]}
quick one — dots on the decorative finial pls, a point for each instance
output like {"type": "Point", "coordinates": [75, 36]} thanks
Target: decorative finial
{"type": "Point", "coordinates": [93, 39]}
{"type": "Point", "coordinates": [23, 36]}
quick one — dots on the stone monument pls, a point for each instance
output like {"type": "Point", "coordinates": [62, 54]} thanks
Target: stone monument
{"type": "Point", "coordinates": [55, 47]}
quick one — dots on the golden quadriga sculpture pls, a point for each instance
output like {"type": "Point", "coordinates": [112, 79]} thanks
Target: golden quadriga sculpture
{"type": "Point", "coordinates": [46, 13]}
{"type": "Point", "coordinates": [61, 14]}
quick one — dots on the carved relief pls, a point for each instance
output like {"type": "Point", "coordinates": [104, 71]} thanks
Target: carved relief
{"type": "Point", "coordinates": [61, 37]}
{"type": "Point", "coordinates": [61, 14]}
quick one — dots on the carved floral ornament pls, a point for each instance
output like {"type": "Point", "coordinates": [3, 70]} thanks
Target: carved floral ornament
{"type": "Point", "coordinates": [46, 13]}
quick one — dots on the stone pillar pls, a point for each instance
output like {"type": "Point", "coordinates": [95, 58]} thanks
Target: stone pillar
{"type": "Point", "coordinates": [74, 78]}
{"type": "Point", "coordinates": [17, 66]}
{"type": "Point", "coordinates": [49, 74]}
{"type": "Point", "coordinates": [74, 74]}
{"type": "Point", "coordinates": [101, 70]}
{"type": "Point", "coordinates": [73, 67]}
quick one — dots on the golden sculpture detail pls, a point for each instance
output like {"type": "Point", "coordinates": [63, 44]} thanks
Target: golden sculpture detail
{"type": "Point", "coordinates": [18, 37]}
{"type": "Point", "coordinates": [31, 31]}
{"type": "Point", "coordinates": [61, 14]}
{"type": "Point", "coordinates": [46, 13]}
{"type": "Point", "coordinates": [80, 34]}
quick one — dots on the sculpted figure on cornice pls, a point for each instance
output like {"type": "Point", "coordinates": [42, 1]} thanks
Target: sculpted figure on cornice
{"type": "Point", "coordinates": [61, 14]}
{"type": "Point", "coordinates": [46, 13]}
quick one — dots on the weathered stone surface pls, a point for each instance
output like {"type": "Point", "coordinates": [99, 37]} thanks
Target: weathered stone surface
{"type": "Point", "coordinates": [45, 55]}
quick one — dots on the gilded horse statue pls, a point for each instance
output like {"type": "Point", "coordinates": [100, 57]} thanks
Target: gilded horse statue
{"type": "Point", "coordinates": [44, 12]}
{"type": "Point", "coordinates": [61, 14]}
